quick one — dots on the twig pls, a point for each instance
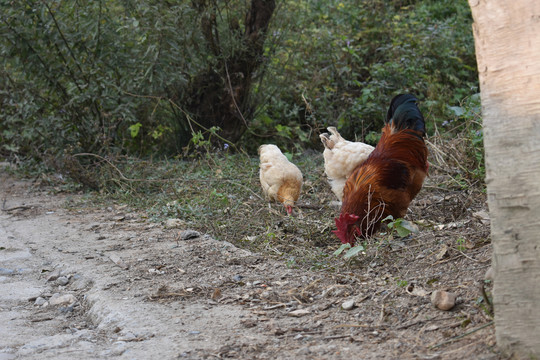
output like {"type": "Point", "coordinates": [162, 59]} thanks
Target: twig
{"type": "Point", "coordinates": [407, 325]}
{"type": "Point", "coordinates": [489, 304]}
{"type": "Point", "coordinates": [188, 117]}
{"type": "Point", "coordinates": [232, 94]}
{"type": "Point", "coordinates": [308, 206]}
{"type": "Point", "coordinates": [337, 337]}
{"type": "Point", "coordinates": [274, 306]}
{"type": "Point", "coordinates": [462, 335]}
{"type": "Point", "coordinates": [41, 319]}
{"type": "Point", "coordinates": [122, 177]}
{"type": "Point", "coordinates": [22, 207]}
{"type": "Point", "coordinates": [458, 163]}
{"type": "Point", "coordinates": [354, 326]}
{"type": "Point", "coordinates": [468, 257]}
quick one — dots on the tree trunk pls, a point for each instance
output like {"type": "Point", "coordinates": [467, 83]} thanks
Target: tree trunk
{"type": "Point", "coordinates": [507, 38]}
{"type": "Point", "coordinates": [221, 96]}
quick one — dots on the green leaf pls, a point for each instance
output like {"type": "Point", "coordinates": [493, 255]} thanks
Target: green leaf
{"type": "Point", "coordinates": [409, 226]}
{"type": "Point", "coordinates": [457, 110]}
{"type": "Point", "coordinates": [388, 218]}
{"type": "Point", "coordinates": [134, 129]}
{"type": "Point", "coordinates": [288, 155]}
{"type": "Point", "coordinates": [342, 248]}
{"type": "Point", "coordinates": [402, 231]}
{"type": "Point", "coordinates": [354, 251]}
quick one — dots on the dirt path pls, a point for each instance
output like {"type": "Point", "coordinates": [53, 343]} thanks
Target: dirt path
{"type": "Point", "coordinates": [111, 284]}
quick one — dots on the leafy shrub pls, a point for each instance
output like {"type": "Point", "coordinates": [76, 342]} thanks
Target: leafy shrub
{"type": "Point", "coordinates": [340, 63]}
{"type": "Point", "coordinates": [112, 76]}
{"type": "Point", "coordinates": [123, 77]}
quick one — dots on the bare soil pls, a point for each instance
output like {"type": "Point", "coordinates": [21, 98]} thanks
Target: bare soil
{"type": "Point", "coordinates": [144, 290]}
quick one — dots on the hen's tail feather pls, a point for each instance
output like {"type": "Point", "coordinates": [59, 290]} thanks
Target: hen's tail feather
{"type": "Point", "coordinates": [330, 140]}
{"type": "Point", "coordinates": [327, 141]}
{"type": "Point", "coordinates": [403, 113]}
{"type": "Point", "coordinates": [335, 133]}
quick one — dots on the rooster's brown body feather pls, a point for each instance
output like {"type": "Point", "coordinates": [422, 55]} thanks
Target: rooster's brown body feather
{"type": "Point", "coordinates": [390, 178]}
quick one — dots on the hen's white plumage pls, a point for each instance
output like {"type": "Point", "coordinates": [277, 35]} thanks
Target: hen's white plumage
{"type": "Point", "coordinates": [341, 157]}
{"type": "Point", "coordinates": [280, 179]}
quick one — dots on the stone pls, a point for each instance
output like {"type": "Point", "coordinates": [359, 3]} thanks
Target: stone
{"type": "Point", "coordinates": [62, 280]}
{"type": "Point", "coordinates": [39, 301]}
{"type": "Point", "coordinates": [443, 300]}
{"type": "Point", "coordinates": [66, 299]}
{"type": "Point", "coordinates": [348, 305]}
{"type": "Point", "coordinates": [174, 223]}
{"type": "Point", "coordinates": [4, 271]}
{"type": "Point", "coordinates": [189, 234]}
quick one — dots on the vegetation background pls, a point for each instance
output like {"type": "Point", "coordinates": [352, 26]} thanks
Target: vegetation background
{"type": "Point", "coordinates": [158, 108]}
{"type": "Point", "coordinates": [130, 97]}
{"type": "Point", "coordinates": [113, 77]}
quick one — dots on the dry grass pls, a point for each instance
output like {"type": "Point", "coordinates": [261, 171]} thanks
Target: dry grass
{"type": "Point", "coordinates": [219, 194]}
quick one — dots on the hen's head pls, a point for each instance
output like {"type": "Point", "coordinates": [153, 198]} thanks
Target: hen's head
{"type": "Point", "coordinates": [289, 192]}
{"type": "Point", "coordinates": [346, 228]}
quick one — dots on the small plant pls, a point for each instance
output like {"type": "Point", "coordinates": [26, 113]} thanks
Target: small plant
{"type": "Point", "coordinates": [402, 283]}
{"type": "Point", "coordinates": [400, 226]}
{"type": "Point", "coordinates": [222, 198]}
{"type": "Point", "coordinates": [351, 250]}
{"type": "Point", "coordinates": [460, 244]}
{"type": "Point", "coordinates": [291, 263]}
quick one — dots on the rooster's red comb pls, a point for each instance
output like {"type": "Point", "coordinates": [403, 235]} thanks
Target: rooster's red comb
{"type": "Point", "coordinates": [343, 223]}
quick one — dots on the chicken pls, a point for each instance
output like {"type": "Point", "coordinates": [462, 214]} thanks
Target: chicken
{"type": "Point", "coordinates": [341, 157]}
{"type": "Point", "coordinates": [390, 178]}
{"type": "Point", "coordinates": [280, 179]}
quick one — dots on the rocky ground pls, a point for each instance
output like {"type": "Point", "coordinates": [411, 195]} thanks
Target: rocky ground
{"type": "Point", "coordinates": [80, 281]}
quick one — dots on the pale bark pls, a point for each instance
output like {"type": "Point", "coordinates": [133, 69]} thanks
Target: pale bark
{"type": "Point", "coordinates": [507, 37]}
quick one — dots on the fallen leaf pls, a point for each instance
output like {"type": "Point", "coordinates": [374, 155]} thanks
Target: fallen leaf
{"type": "Point", "coordinates": [443, 252]}
{"type": "Point", "coordinates": [217, 294]}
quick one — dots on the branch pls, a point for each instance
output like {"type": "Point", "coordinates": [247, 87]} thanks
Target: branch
{"type": "Point", "coordinates": [64, 38]}
{"type": "Point", "coordinates": [462, 335]}
{"type": "Point", "coordinates": [45, 66]}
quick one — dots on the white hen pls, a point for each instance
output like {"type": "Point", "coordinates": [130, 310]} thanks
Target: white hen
{"type": "Point", "coordinates": [341, 157]}
{"type": "Point", "coordinates": [280, 179]}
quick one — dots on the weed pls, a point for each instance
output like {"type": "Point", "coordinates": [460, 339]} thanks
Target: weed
{"type": "Point", "coordinates": [460, 244]}
{"type": "Point", "coordinates": [402, 283]}
{"type": "Point", "coordinates": [399, 226]}
{"type": "Point", "coordinates": [351, 252]}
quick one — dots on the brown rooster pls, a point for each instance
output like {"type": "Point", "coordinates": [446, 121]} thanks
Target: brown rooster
{"type": "Point", "coordinates": [390, 178]}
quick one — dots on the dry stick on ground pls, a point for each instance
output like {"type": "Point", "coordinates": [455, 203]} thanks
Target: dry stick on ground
{"type": "Point", "coordinates": [357, 326]}
{"type": "Point", "coordinates": [416, 322]}
{"type": "Point", "coordinates": [462, 335]}
{"type": "Point", "coordinates": [489, 304]}
{"type": "Point", "coordinates": [333, 337]}
{"type": "Point", "coordinates": [22, 207]}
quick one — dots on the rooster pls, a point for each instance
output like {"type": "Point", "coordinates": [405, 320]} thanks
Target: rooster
{"type": "Point", "coordinates": [280, 179]}
{"type": "Point", "coordinates": [391, 176]}
{"type": "Point", "coordinates": [341, 157]}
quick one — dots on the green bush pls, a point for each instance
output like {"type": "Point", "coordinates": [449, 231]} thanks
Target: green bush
{"type": "Point", "coordinates": [111, 76]}
{"type": "Point", "coordinates": [118, 77]}
{"type": "Point", "coordinates": [348, 59]}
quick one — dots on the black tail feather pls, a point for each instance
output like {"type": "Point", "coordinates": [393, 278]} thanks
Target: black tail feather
{"type": "Point", "coordinates": [404, 114]}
